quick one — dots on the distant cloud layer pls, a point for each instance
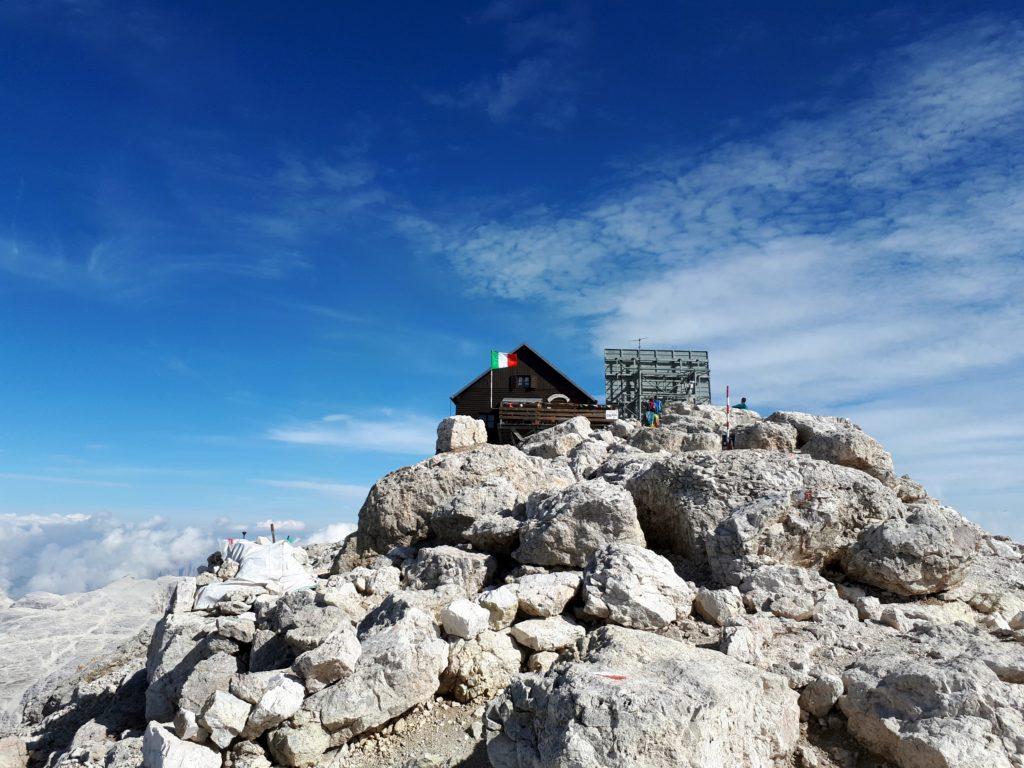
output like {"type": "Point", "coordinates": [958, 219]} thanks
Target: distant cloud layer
{"type": "Point", "coordinates": [75, 553]}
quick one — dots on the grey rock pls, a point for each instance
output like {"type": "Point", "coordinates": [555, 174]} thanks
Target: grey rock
{"type": "Point", "coordinates": [786, 591]}
{"type": "Point", "coordinates": [839, 441]}
{"type": "Point", "coordinates": [819, 696]}
{"type": "Point", "coordinates": [403, 657]}
{"type": "Point", "coordinates": [677, 438]}
{"type": "Point", "coordinates": [547, 594]}
{"type": "Point", "coordinates": [445, 565]}
{"type": "Point", "coordinates": [929, 551]}
{"type": "Point", "coordinates": [953, 703]}
{"type": "Point", "coordinates": [207, 677]}
{"type": "Point", "coordinates": [638, 700]}
{"type": "Point", "coordinates": [298, 746]}
{"type": "Point", "coordinates": [567, 527]}
{"type": "Point", "coordinates": [766, 435]}
{"type": "Point", "coordinates": [486, 516]}
{"type": "Point", "coordinates": [224, 716]}
{"type": "Point", "coordinates": [736, 508]}
{"type": "Point", "coordinates": [456, 433]}
{"type": "Point", "coordinates": [634, 587]}
{"type": "Point", "coordinates": [559, 440]}
{"type": "Point", "coordinates": [399, 507]}
{"type": "Point", "coordinates": [723, 607]}
{"type": "Point", "coordinates": [482, 666]}
{"type": "Point", "coordinates": [282, 698]}
{"type": "Point", "coordinates": [551, 634]}
{"type": "Point", "coordinates": [332, 660]}
{"type": "Point", "coordinates": [162, 749]}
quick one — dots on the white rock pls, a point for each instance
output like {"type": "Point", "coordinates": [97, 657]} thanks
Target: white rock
{"type": "Point", "coordinates": [444, 565]}
{"type": "Point", "coordinates": [184, 595]}
{"type": "Point", "coordinates": [550, 634]}
{"type": "Point", "coordinates": [502, 605]}
{"type": "Point", "coordinates": [333, 659]}
{"type": "Point", "coordinates": [399, 507]}
{"type": "Point", "coordinates": [661, 703]}
{"type": "Point", "coordinates": [634, 587]}
{"type": "Point", "coordinates": [567, 527]}
{"type": "Point", "coordinates": [162, 749]}
{"type": "Point", "coordinates": [282, 699]}
{"type": "Point", "coordinates": [482, 666]}
{"type": "Point", "coordinates": [547, 594]}
{"type": "Point", "coordinates": [459, 432]}
{"type": "Point", "coordinates": [464, 619]}
{"type": "Point", "coordinates": [224, 716]}
{"type": "Point", "coordinates": [723, 607]}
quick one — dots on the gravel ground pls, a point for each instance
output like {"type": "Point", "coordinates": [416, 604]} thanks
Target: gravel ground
{"type": "Point", "coordinates": [443, 730]}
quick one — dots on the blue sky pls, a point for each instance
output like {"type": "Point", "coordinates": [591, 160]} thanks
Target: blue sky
{"type": "Point", "coordinates": [247, 251]}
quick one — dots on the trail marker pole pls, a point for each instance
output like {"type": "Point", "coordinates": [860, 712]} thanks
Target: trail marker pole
{"type": "Point", "coordinates": [273, 534]}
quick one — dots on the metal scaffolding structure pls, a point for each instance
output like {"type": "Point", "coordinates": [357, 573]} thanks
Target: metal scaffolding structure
{"type": "Point", "coordinates": [633, 376]}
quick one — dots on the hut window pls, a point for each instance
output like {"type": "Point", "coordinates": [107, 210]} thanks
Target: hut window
{"type": "Point", "coordinates": [520, 382]}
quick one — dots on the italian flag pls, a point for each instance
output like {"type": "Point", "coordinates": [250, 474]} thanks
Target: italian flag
{"type": "Point", "coordinates": [504, 360]}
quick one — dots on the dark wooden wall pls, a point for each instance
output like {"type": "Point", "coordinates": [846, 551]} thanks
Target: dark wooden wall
{"type": "Point", "coordinates": [475, 400]}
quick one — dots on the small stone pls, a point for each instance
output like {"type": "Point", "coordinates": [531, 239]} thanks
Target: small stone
{"type": "Point", "coordinates": [464, 619]}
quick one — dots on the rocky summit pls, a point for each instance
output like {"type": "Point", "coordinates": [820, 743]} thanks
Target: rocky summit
{"type": "Point", "coordinates": [627, 598]}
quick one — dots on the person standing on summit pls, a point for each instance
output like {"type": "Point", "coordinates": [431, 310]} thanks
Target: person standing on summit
{"type": "Point", "coordinates": [742, 405]}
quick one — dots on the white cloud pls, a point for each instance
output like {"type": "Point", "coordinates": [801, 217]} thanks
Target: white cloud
{"type": "Point", "coordinates": [847, 252]}
{"type": "Point", "coordinates": [73, 553]}
{"type": "Point", "coordinates": [389, 433]}
{"type": "Point", "coordinates": [331, 533]}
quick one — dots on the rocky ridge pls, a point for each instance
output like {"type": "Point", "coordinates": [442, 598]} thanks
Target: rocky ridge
{"type": "Point", "coordinates": [624, 597]}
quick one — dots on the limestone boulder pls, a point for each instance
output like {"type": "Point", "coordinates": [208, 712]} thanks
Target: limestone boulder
{"type": "Point", "coordinates": [554, 633]}
{"type": "Point", "coordinates": [547, 594]}
{"type": "Point", "coordinates": [839, 441]}
{"type": "Point", "coordinates": [330, 661]}
{"type": "Point", "coordinates": [456, 433]}
{"type": "Point", "coordinates": [722, 607]}
{"type": "Point", "coordinates": [487, 516]}
{"type": "Point", "coordinates": [928, 552]}
{"type": "Point", "coordinates": [224, 717]}
{"type": "Point", "coordinates": [402, 659]}
{"type": "Point", "coordinates": [162, 749]}
{"type": "Point", "coordinates": [677, 438]}
{"type": "Point", "coordinates": [567, 527]}
{"type": "Point", "coordinates": [400, 506]}
{"type": "Point", "coordinates": [639, 700]}
{"type": "Point", "coordinates": [464, 618]}
{"type": "Point", "coordinates": [948, 705]}
{"type": "Point", "coordinates": [206, 678]}
{"type": "Point", "coordinates": [298, 746]}
{"type": "Point", "coordinates": [588, 455]}
{"type": "Point", "coordinates": [766, 435]}
{"type": "Point", "coordinates": [735, 509]}
{"type": "Point", "coordinates": [559, 440]}
{"type": "Point", "coordinates": [442, 566]}
{"type": "Point", "coordinates": [786, 591]}
{"type": "Point", "coordinates": [481, 666]}
{"type": "Point", "coordinates": [634, 587]}
{"type": "Point", "coordinates": [502, 605]}
{"type": "Point", "coordinates": [282, 698]}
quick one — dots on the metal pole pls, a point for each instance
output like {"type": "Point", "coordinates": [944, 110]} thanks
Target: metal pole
{"type": "Point", "coordinates": [273, 534]}
{"type": "Point", "coordinates": [639, 382]}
